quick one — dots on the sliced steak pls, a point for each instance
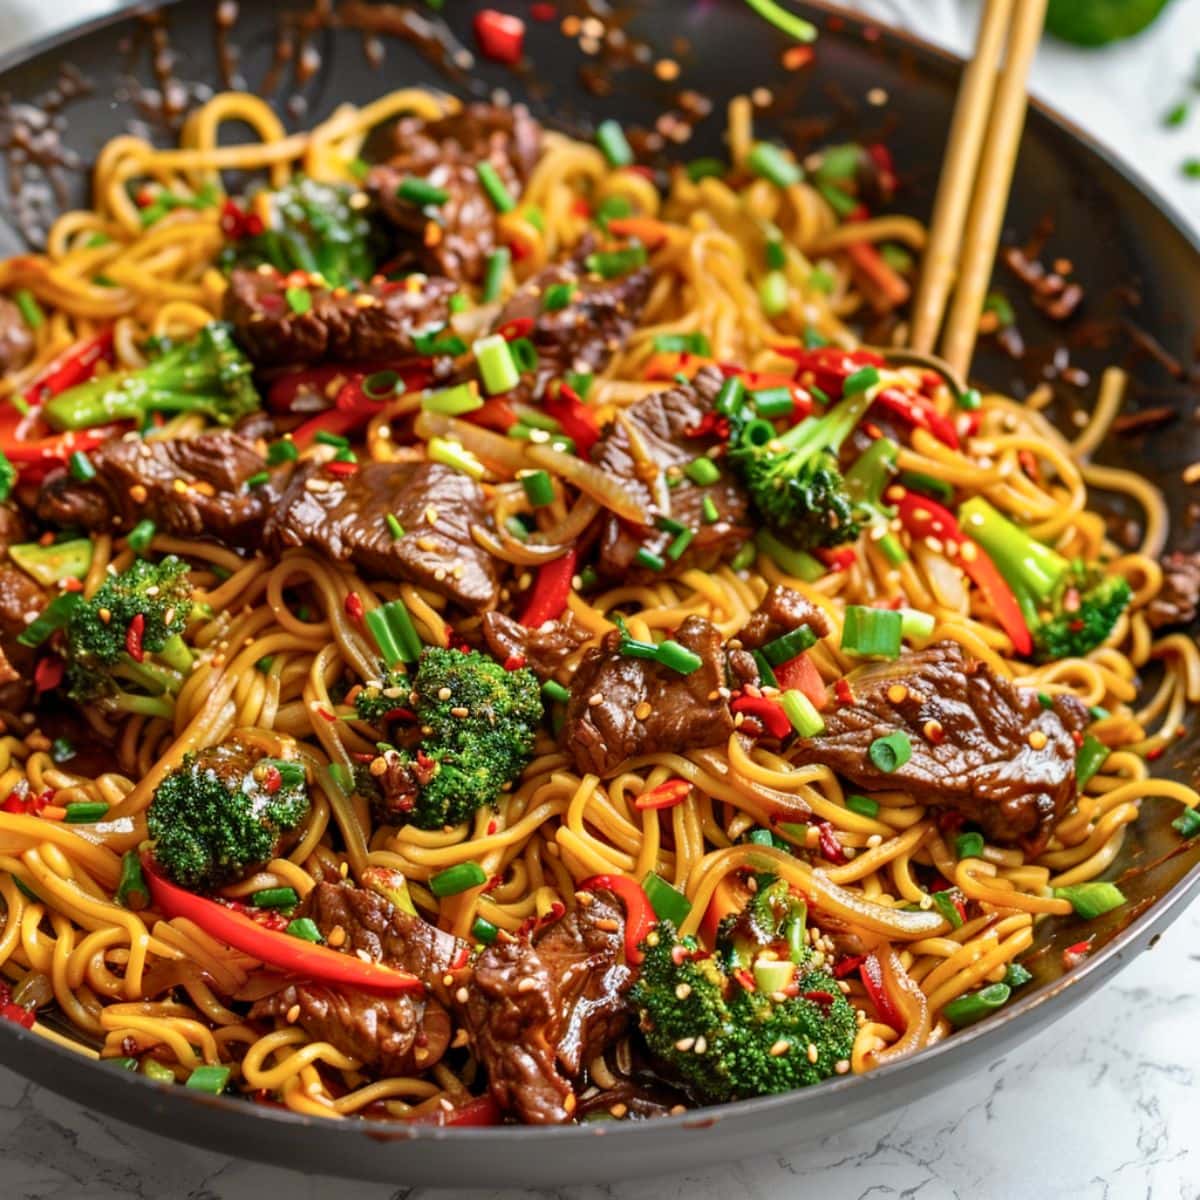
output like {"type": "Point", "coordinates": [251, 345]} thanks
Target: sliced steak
{"type": "Point", "coordinates": [392, 1034]}
{"type": "Point", "coordinates": [538, 1010]}
{"type": "Point", "coordinates": [666, 427]}
{"type": "Point", "coordinates": [16, 338]}
{"type": "Point", "coordinates": [545, 649]}
{"type": "Point", "coordinates": [1177, 602]}
{"type": "Point", "coordinates": [189, 487]}
{"type": "Point", "coordinates": [1000, 758]}
{"type": "Point", "coordinates": [622, 707]}
{"type": "Point", "coordinates": [374, 324]}
{"type": "Point", "coordinates": [780, 611]}
{"type": "Point", "coordinates": [454, 238]}
{"type": "Point", "coordinates": [345, 518]}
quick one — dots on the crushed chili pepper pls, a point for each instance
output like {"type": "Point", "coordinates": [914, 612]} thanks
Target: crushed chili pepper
{"type": "Point", "coordinates": [133, 638]}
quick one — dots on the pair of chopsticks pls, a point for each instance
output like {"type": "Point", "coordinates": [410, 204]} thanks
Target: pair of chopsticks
{"type": "Point", "coordinates": [972, 196]}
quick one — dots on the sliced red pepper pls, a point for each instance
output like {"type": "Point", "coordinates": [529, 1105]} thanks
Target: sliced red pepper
{"type": "Point", "coordinates": [501, 36]}
{"type": "Point", "coordinates": [518, 327]}
{"type": "Point", "coordinates": [48, 674]}
{"type": "Point", "coordinates": [279, 950]}
{"type": "Point", "coordinates": [77, 365]}
{"type": "Point", "coordinates": [891, 287]}
{"type": "Point", "coordinates": [574, 418]}
{"type": "Point", "coordinates": [550, 591]}
{"type": "Point", "coordinates": [831, 849]}
{"type": "Point", "coordinates": [801, 674]}
{"type": "Point", "coordinates": [481, 1110]}
{"type": "Point", "coordinates": [828, 367]}
{"type": "Point", "coordinates": [639, 913]}
{"type": "Point", "coordinates": [724, 901]}
{"type": "Point", "coordinates": [920, 412]}
{"type": "Point", "coordinates": [847, 966]}
{"type": "Point", "coordinates": [133, 638]}
{"type": "Point", "coordinates": [666, 795]}
{"type": "Point", "coordinates": [304, 390]}
{"type": "Point", "coordinates": [923, 517]}
{"type": "Point", "coordinates": [496, 414]}
{"type": "Point", "coordinates": [871, 973]}
{"type": "Point", "coordinates": [17, 1013]}
{"type": "Point", "coordinates": [769, 713]}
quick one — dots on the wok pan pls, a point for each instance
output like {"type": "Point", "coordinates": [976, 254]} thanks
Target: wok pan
{"type": "Point", "coordinates": [1140, 272]}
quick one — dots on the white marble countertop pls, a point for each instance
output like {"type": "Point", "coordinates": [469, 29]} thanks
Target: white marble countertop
{"type": "Point", "coordinates": [1101, 1107]}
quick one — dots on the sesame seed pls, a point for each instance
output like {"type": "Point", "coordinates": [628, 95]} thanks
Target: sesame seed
{"type": "Point", "coordinates": [701, 1044]}
{"type": "Point", "coordinates": [780, 1047]}
{"type": "Point", "coordinates": [293, 1014]}
{"type": "Point", "coordinates": [1037, 739]}
{"type": "Point", "coordinates": [460, 1039]}
{"type": "Point", "coordinates": [595, 698]}
{"type": "Point", "coordinates": [444, 693]}
{"type": "Point", "coordinates": [431, 515]}
{"type": "Point", "coordinates": [459, 711]}
{"type": "Point", "coordinates": [643, 710]}
{"type": "Point", "coordinates": [897, 693]}
{"type": "Point", "coordinates": [842, 1066]}
{"type": "Point", "coordinates": [462, 995]}
{"type": "Point", "coordinates": [138, 494]}
{"type": "Point", "coordinates": [876, 839]}
{"type": "Point", "coordinates": [685, 1044]}
{"type": "Point", "coordinates": [683, 991]}
{"type": "Point", "coordinates": [677, 1110]}
{"type": "Point", "coordinates": [569, 1103]}
{"type": "Point", "coordinates": [337, 936]}
{"type": "Point", "coordinates": [528, 984]}
{"type": "Point", "coordinates": [619, 1110]}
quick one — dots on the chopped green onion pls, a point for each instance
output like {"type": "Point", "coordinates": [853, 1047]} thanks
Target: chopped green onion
{"type": "Point", "coordinates": [872, 632]}
{"type": "Point", "coordinates": [132, 892]}
{"type": "Point", "coordinates": [679, 544]}
{"type": "Point", "coordinates": [86, 812]}
{"type": "Point", "coordinates": [771, 403]}
{"type": "Point", "coordinates": [669, 524]}
{"type": "Point", "coordinates": [421, 192]}
{"type": "Point", "coordinates": [820, 280]}
{"type": "Point", "coordinates": [580, 382]}
{"type": "Point", "coordinates": [291, 773]}
{"type": "Point", "coordinates": [969, 399]}
{"type": "Point", "coordinates": [997, 302]}
{"type": "Point", "coordinates": [703, 471]}
{"type": "Point", "coordinates": [282, 451]}
{"type": "Point", "coordinates": [534, 216]}
{"type": "Point", "coordinates": [1089, 760]}
{"type": "Point", "coordinates": [326, 438]}
{"type": "Point", "coordinates": [557, 296]}
{"type": "Point", "coordinates": [731, 396]}
{"type": "Point", "coordinates": [304, 928]}
{"type": "Point", "coordinates": [496, 367]}
{"type": "Point", "coordinates": [668, 902]}
{"type": "Point", "coordinates": [80, 467]}
{"type": "Point", "coordinates": [966, 1010]}
{"type": "Point", "coordinates": [553, 690]}
{"type": "Point", "coordinates": [431, 342]}
{"type": "Point", "coordinates": [1176, 115]}
{"type": "Point", "coordinates": [276, 897]}
{"type": "Point", "coordinates": [1187, 824]}
{"type": "Point", "coordinates": [380, 385]}
{"type": "Point", "coordinates": [394, 633]}
{"type": "Point", "coordinates": [122, 1064]}
{"type": "Point", "coordinates": [493, 185]}
{"type": "Point", "coordinates": [1098, 712]}
{"type": "Point", "coordinates": [770, 163]}
{"type": "Point", "coordinates": [51, 619]}
{"type": "Point", "coordinates": [773, 293]}
{"type": "Point", "coordinates": [863, 805]}
{"type": "Point", "coordinates": [890, 753]}
{"type": "Point", "coordinates": [747, 553]}
{"type": "Point", "coordinates": [459, 878]}
{"type": "Point", "coordinates": [524, 354]}
{"type": "Point", "coordinates": [299, 300]}
{"type": "Point", "coordinates": [1093, 899]}
{"type": "Point", "coordinates": [31, 310]}
{"type": "Point", "coordinates": [648, 559]}
{"type": "Point", "coordinates": [539, 488]}
{"type": "Point", "coordinates": [839, 162]}
{"type": "Point", "coordinates": [784, 649]}
{"type": "Point", "coordinates": [776, 254]}
{"type": "Point", "coordinates": [62, 750]}
{"type": "Point", "coordinates": [802, 713]}
{"type": "Point", "coordinates": [609, 264]}
{"type": "Point", "coordinates": [484, 931]}
{"type": "Point", "coordinates": [812, 339]}
{"type": "Point", "coordinates": [678, 658]}
{"type": "Point", "coordinates": [1016, 975]}
{"type": "Point", "coordinates": [210, 1079]}
{"type": "Point", "coordinates": [944, 903]}
{"type": "Point", "coordinates": [264, 664]}
{"type": "Point", "coordinates": [861, 380]}
{"type": "Point", "coordinates": [458, 303]}
{"type": "Point", "coordinates": [969, 845]}
{"type": "Point", "coordinates": [705, 168]}
{"type": "Point", "coordinates": [916, 625]}
{"type": "Point", "coordinates": [711, 513]}
{"type": "Point", "coordinates": [495, 271]}
{"type": "Point", "coordinates": [896, 257]}
{"type": "Point", "coordinates": [798, 563]}
{"type": "Point", "coordinates": [159, 1072]}
{"type": "Point", "coordinates": [258, 479]}
{"type": "Point", "coordinates": [682, 343]}
{"type": "Point", "coordinates": [453, 401]}
{"type": "Point", "coordinates": [610, 137]}
{"type": "Point", "coordinates": [930, 485]}
{"type": "Point", "coordinates": [765, 674]}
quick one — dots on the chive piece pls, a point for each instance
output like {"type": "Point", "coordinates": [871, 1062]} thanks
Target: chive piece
{"type": "Point", "coordinates": [132, 892]}
{"type": "Point", "coordinates": [1091, 900]}
{"type": "Point", "coordinates": [497, 368]}
{"type": "Point", "coordinates": [62, 750]}
{"type": "Point", "coordinates": [453, 401]}
{"type": "Point", "coordinates": [730, 397]}
{"type": "Point", "coordinates": [682, 343]}
{"type": "Point", "coordinates": [31, 310]}
{"type": "Point", "coordinates": [862, 379]}
{"type": "Point", "coordinates": [842, 203]}
{"type": "Point", "coordinates": [459, 878]}
{"type": "Point", "coordinates": [493, 276]}
{"type": "Point", "coordinates": [648, 559]}
{"type": "Point", "coordinates": [974, 1006]}
{"type": "Point", "coordinates": [944, 903]}
{"type": "Point", "coordinates": [455, 455]}
{"type": "Point", "coordinates": [703, 471]}
{"type": "Point", "coordinates": [580, 382]}
{"type": "Point", "coordinates": [679, 545]}
{"type": "Point", "coordinates": [773, 293]}
{"type": "Point", "coordinates": [458, 303]}
{"type": "Point", "coordinates": [553, 690]}
{"type": "Point", "coordinates": [282, 451]}
{"type": "Point", "coordinates": [538, 487]}
{"type": "Point", "coordinates": [430, 342]}
{"type": "Point", "coordinates": [775, 254]}
{"type": "Point", "coordinates": [711, 513]}
{"type": "Point", "coordinates": [52, 618]}
{"type": "Point", "coordinates": [524, 354]}
{"type": "Point", "coordinates": [1176, 115]}
{"type": "Point", "coordinates": [535, 217]}
{"type": "Point", "coordinates": [276, 897]}
{"type": "Point", "coordinates": [668, 902]}
{"type": "Point", "coordinates": [969, 400]}
{"type": "Point", "coordinates": [208, 1079]}
{"type": "Point", "coordinates": [557, 296]}
{"type": "Point", "coordinates": [421, 192]}
{"type": "Point", "coordinates": [1090, 758]}
{"type": "Point", "coordinates": [669, 524]}
{"type": "Point", "coordinates": [612, 208]}
{"type": "Point", "coordinates": [929, 485]}
{"type": "Point", "coordinates": [304, 928]}
{"type": "Point", "coordinates": [86, 812]}
{"type": "Point", "coordinates": [394, 526]}
{"type": "Point", "coordinates": [609, 264]}
{"type": "Point", "coordinates": [394, 633]}
{"type": "Point", "coordinates": [678, 658]}
{"type": "Point", "coordinates": [291, 773]}
{"type": "Point", "coordinates": [863, 805]}
{"type": "Point", "coordinates": [1016, 975]}
{"type": "Point", "coordinates": [916, 625]}
{"type": "Point", "coordinates": [159, 1072]}
{"type": "Point", "coordinates": [264, 664]}
{"type": "Point", "coordinates": [140, 537]}
{"type": "Point", "coordinates": [969, 845]}
{"type": "Point", "coordinates": [299, 300]}
{"type": "Point", "coordinates": [1098, 712]}
{"type": "Point", "coordinates": [1191, 168]}
{"type": "Point", "coordinates": [802, 713]}
{"type": "Point", "coordinates": [872, 632]}
{"type": "Point", "coordinates": [791, 561]}
{"type": "Point", "coordinates": [1187, 824]}
{"type": "Point", "coordinates": [783, 649]}
{"type": "Point", "coordinates": [820, 280]}
{"type": "Point", "coordinates": [773, 402]}
{"type": "Point", "coordinates": [493, 185]}
{"type": "Point", "coordinates": [814, 340]}
{"type": "Point", "coordinates": [771, 163]}
{"type": "Point", "coordinates": [331, 439]}
{"type": "Point", "coordinates": [998, 303]}
{"type": "Point", "coordinates": [484, 931]}
{"type": "Point", "coordinates": [80, 467]}
{"type": "Point", "coordinates": [896, 257]}
{"type": "Point", "coordinates": [747, 553]}
{"type": "Point", "coordinates": [890, 753]}
{"type": "Point", "coordinates": [610, 137]}
{"type": "Point", "coordinates": [122, 1064]}
{"type": "Point", "coordinates": [705, 168]}
{"type": "Point", "coordinates": [381, 385]}
{"type": "Point", "coordinates": [258, 479]}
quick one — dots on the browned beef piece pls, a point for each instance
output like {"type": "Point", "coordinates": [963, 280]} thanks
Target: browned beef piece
{"type": "Point", "coordinates": [622, 707]}
{"type": "Point", "coordinates": [21, 599]}
{"type": "Point", "coordinates": [545, 649]}
{"type": "Point", "coordinates": [1177, 602]}
{"type": "Point", "coordinates": [780, 611]}
{"type": "Point", "coordinates": [398, 787]}
{"type": "Point", "coordinates": [374, 324]}
{"type": "Point", "coordinates": [983, 764]}
{"type": "Point", "coordinates": [345, 518]}
{"type": "Point", "coordinates": [665, 423]}
{"type": "Point", "coordinates": [13, 527]}
{"type": "Point", "coordinates": [539, 1010]}
{"type": "Point", "coordinates": [16, 338]}
{"type": "Point", "coordinates": [189, 487]}
{"type": "Point", "coordinates": [454, 238]}
{"type": "Point", "coordinates": [393, 1034]}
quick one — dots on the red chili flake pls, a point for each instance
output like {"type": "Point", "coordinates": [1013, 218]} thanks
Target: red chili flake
{"type": "Point", "coordinates": [324, 712]}
{"type": "Point", "coordinates": [543, 12]}
{"type": "Point", "coordinates": [73, 585]}
{"type": "Point", "coordinates": [711, 423]}
{"type": "Point", "coordinates": [679, 955]}
{"type": "Point", "coordinates": [48, 674]}
{"type": "Point", "coordinates": [272, 780]}
{"type": "Point", "coordinates": [1154, 752]}
{"type": "Point", "coordinates": [14, 802]}
{"type": "Point", "coordinates": [501, 36]}
{"type": "Point", "coordinates": [1077, 737]}
{"type": "Point", "coordinates": [831, 848]}
{"type": "Point", "coordinates": [354, 606]}
{"type": "Point", "coordinates": [341, 468]}
{"type": "Point", "coordinates": [795, 58]}
{"type": "Point", "coordinates": [581, 208]}
{"type": "Point", "coordinates": [842, 691]}
{"type": "Point", "coordinates": [459, 643]}
{"type": "Point", "coordinates": [746, 979]}
{"type": "Point", "coordinates": [519, 250]}
{"type": "Point", "coordinates": [930, 381]}
{"type": "Point", "coordinates": [824, 999]}
{"type": "Point", "coordinates": [518, 327]}
{"type": "Point", "coordinates": [397, 714]}
{"type": "Point", "coordinates": [848, 965]}
{"type": "Point", "coordinates": [133, 638]}
{"type": "Point", "coordinates": [950, 821]}
{"type": "Point", "coordinates": [461, 958]}
{"type": "Point", "coordinates": [666, 795]}
{"type": "Point", "coordinates": [144, 197]}
{"type": "Point", "coordinates": [423, 760]}
{"type": "Point", "coordinates": [492, 827]}
{"type": "Point", "coordinates": [514, 662]}
{"type": "Point", "coordinates": [1073, 955]}
{"type": "Point", "coordinates": [492, 884]}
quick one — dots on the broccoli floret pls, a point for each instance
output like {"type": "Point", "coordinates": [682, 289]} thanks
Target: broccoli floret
{"type": "Point", "coordinates": [793, 477]}
{"type": "Point", "coordinates": [124, 646]}
{"type": "Point", "coordinates": [477, 723]}
{"type": "Point", "coordinates": [378, 698]}
{"type": "Point", "coordinates": [223, 813]}
{"type": "Point", "coordinates": [753, 1018]}
{"type": "Point", "coordinates": [207, 374]}
{"type": "Point", "coordinates": [318, 228]}
{"type": "Point", "coordinates": [1070, 607]}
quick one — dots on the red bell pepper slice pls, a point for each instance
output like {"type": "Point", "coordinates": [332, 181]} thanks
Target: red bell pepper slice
{"type": "Point", "coordinates": [75, 366]}
{"type": "Point", "coordinates": [891, 287]}
{"type": "Point", "coordinates": [828, 366]}
{"type": "Point", "coordinates": [639, 913]}
{"type": "Point", "coordinates": [923, 518]}
{"type": "Point", "coordinates": [496, 414]}
{"type": "Point", "coordinates": [501, 36]}
{"type": "Point", "coordinates": [666, 795]}
{"type": "Point", "coordinates": [800, 674]}
{"type": "Point", "coordinates": [724, 902]}
{"type": "Point", "coordinates": [769, 713]}
{"type": "Point", "coordinates": [17, 1013]}
{"type": "Point", "coordinates": [273, 949]}
{"type": "Point", "coordinates": [871, 973]}
{"type": "Point", "coordinates": [481, 1110]}
{"type": "Point", "coordinates": [574, 418]}
{"type": "Point", "coordinates": [550, 591]}
{"type": "Point", "coordinates": [919, 411]}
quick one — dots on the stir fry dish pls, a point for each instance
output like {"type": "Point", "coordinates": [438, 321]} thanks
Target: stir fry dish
{"type": "Point", "coordinates": [487, 637]}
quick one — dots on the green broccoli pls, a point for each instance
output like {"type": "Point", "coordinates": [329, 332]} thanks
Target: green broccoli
{"type": "Point", "coordinates": [125, 647]}
{"type": "Point", "coordinates": [755, 1017]}
{"type": "Point", "coordinates": [207, 374]}
{"type": "Point", "coordinates": [793, 477]}
{"type": "Point", "coordinates": [477, 725]}
{"type": "Point", "coordinates": [223, 813]}
{"type": "Point", "coordinates": [1070, 607]}
{"type": "Point", "coordinates": [319, 228]}
{"type": "Point", "coordinates": [376, 699]}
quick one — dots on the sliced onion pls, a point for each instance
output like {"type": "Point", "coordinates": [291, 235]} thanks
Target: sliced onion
{"type": "Point", "coordinates": [570, 527]}
{"type": "Point", "coordinates": [504, 546]}
{"type": "Point", "coordinates": [945, 579]}
{"type": "Point", "coordinates": [472, 322]}
{"type": "Point", "coordinates": [591, 480]}
{"type": "Point", "coordinates": [507, 455]}
{"type": "Point", "coordinates": [644, 457]}
{"type": "Point", "coordinates": [909, 1001]}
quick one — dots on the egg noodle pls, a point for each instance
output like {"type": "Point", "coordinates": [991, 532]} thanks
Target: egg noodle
{"type": "Point", "coordinates": [110, 970]}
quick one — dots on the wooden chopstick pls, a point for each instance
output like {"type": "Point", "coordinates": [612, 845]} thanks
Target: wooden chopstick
{"type": "Point", "coordinates": [981, 158]}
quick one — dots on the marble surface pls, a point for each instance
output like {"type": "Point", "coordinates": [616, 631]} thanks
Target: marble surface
{"type": "Point", "coordinates": [1101, 1107]}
